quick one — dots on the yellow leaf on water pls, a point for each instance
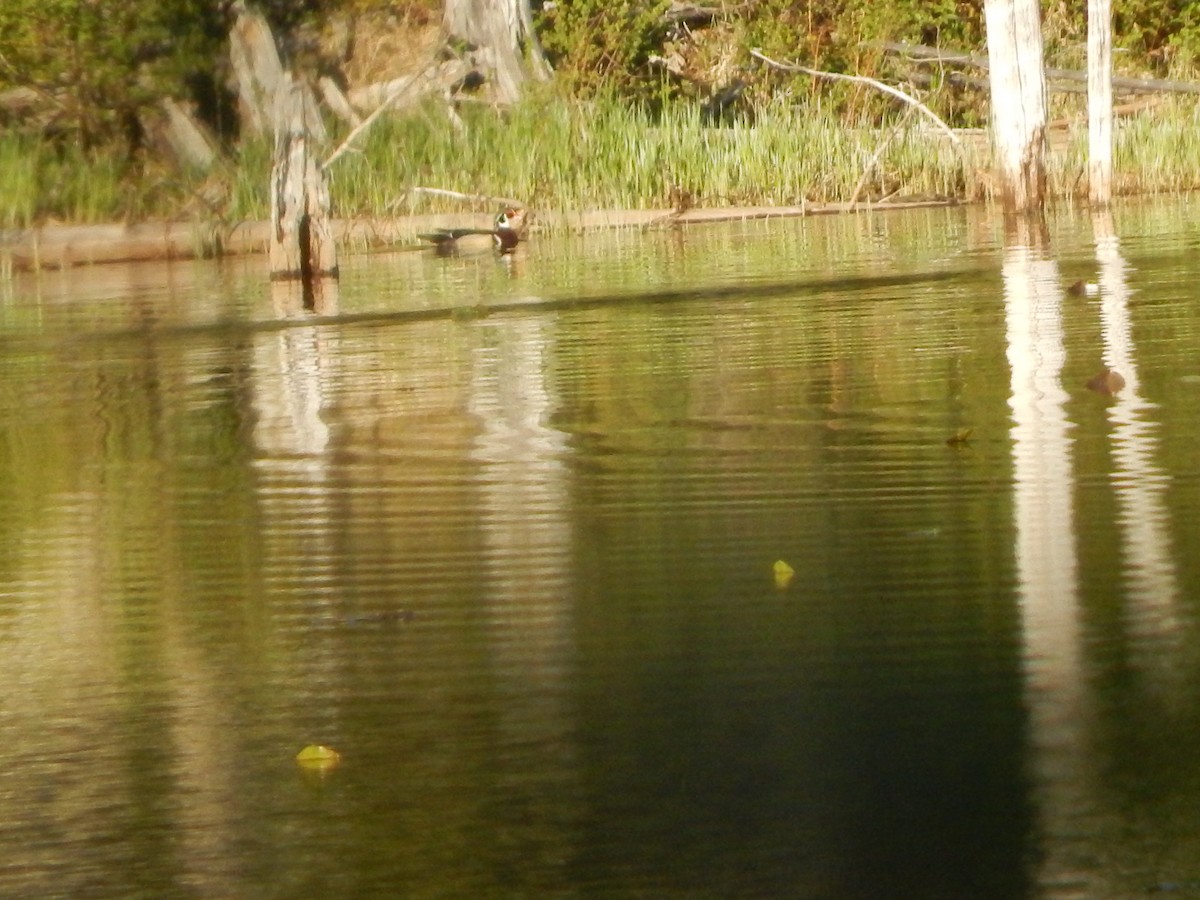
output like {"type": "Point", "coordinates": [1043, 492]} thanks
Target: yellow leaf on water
{"type": "Point", "coordinates": [316, 756]}
{"type": "Point", "coordinates": [783, 574]}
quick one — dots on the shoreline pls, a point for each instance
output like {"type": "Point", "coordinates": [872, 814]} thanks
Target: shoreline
{"type": "Point", "coordinates": [61, 246]}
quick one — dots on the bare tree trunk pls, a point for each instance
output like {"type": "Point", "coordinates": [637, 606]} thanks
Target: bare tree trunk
{"type": "Point", "coordinates": [1018, 85]}
{"type": "Point", "coordinates": [257, 69]}
{"type": "Point", "coordinates": [502, 33]}
{"type": "Point", "coordinates": [1100, 102]}
{"type": "Point", "coordinates": [302, 245]}
{"type": "Point", "coordinates": [259, 74]}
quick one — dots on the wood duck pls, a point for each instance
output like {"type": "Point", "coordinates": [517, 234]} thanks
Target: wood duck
{"type": "Point", "coordinates": [502, 238]}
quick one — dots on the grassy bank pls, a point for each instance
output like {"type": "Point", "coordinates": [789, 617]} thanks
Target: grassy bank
{"type": "Point", "coordinates": [557, 155]}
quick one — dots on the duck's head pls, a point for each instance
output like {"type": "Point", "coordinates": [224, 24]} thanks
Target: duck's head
{"type": "Point", "coordinates": [511, 218]}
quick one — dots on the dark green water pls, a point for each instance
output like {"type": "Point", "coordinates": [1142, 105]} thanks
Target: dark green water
{"type": "Point", "coordinates": [504, 537]}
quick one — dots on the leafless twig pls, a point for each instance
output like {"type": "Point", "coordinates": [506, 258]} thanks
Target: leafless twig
{"type": "Point", "coordinates": [456, 195]}
{"type": "Point", "coordinates": [862, 79]}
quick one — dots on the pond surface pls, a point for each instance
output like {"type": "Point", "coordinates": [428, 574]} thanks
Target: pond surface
{"type": "Point", "coordinates": [787, 559]}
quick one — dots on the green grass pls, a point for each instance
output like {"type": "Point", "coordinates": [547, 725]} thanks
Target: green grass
{"type": "Point", "coordinates": [41, 181]}
{"type": "Point", "coordinates": [557, 155]}
{"type": "Point", "coordinates": [19, 185]}
{"type": "Point", "coordinates": [607, 155]}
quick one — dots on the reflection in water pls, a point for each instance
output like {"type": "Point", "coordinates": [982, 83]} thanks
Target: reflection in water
{"type": "Point", "coordinates": [1045, 556]}
{"type": "Point", "coordinates": [552, 655]}
{"type": "Point", "coordinates": [290, 407]}
{"type": "Point", "coordinates": [1140, 485]}
{"type": "Point", "coordinates": [295, 368]}
{"type": "Point", "coordinates": [524, 501]}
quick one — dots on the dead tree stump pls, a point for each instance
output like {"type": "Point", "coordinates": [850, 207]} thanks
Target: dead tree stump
{"type": "Point", "coordinates": [1100, 102]}
{"type": "Point", "coordinates": [302, 243]}
{"type": "Point", "coordinates": [1017, 76]}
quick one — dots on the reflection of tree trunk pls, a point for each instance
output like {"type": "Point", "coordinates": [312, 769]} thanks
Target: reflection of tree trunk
{"type": "Point", "coordinates": [501, 31]}
{"type": "Point", "coordinates": [1139, 484]}
{"type": "Point", "coordinates": [1018, 82]}
{"type": "Point", "coordinates": [1047, 568]}
{"type": "Point", "coordinates": [525, 520]}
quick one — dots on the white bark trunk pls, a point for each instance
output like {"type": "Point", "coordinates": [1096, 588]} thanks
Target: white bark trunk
{"type": "Point", "coordinates": [1100, 102]}
{"type": "Point", "coordinates": [259, 74]}
{"type": "Point", "coordinates": [257, 69]}
{"type": "Point", "coordinates": [1018, 86]}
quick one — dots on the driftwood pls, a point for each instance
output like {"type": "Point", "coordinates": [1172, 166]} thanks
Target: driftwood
{"type": "Point", "coordinates": [410, 89]}
{"type": "Point", "coordinates": [1144, 102]}
{"type": "Point", "coordinates": [923, 55]}
{"type": "Point", "coordinates": [690, 15]}
{"type": "Point", "coordinates": [337, 101]}
{"type": "Point", "coordinates": [188, 139]}
{"type": "Point", "coordinates": [961, 79]}
{"type": "Point", "coordinates": [34, 110]}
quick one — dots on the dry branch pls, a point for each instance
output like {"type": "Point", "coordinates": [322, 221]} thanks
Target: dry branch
{"type": "Point", "coordinates": [455, 195]}
{"type": "Point", "coordinates": [429, 79]}
{"type": "Point", "coordinates": [862, 79]}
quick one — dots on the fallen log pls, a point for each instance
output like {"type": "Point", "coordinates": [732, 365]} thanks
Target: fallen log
{"type": "Point", "coordinates": [68, 246]}
{"type": "Point", "coordinates": [923, 55]}
{"type": "Point", "coordinates": [409, 90]}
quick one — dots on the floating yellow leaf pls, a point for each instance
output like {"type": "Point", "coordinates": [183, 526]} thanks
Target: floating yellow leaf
{"type": "Point", "coordinates": [316, 756]}
{"type": "Point", "coordinates": [783, 574]}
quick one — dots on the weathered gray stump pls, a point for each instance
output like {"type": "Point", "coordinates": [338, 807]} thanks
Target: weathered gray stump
{"type": "Point", "coordinates": [302, 245]}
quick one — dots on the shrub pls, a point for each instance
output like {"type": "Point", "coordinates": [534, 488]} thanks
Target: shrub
{"type": "Point", "coordinates": [603, 46]}
{"type": "Point", "coordinates": [102, 64]}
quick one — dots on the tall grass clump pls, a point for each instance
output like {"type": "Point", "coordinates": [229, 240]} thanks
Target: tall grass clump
{"type": "Point", "coordinates": [561, 154]}
{"type": "Point", "coordinates": [18, 182]}
{"type": "Point", "coordinates": [1159, 152]}
{"type": "Point", "coordinates": [41, 181]}
{"type": "Point", "coordinates": [605, 153]}
{"type": "Point", "coordinates": [250, 180]}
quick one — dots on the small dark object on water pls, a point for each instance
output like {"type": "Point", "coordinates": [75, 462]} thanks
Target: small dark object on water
{"type": "Point", "coordinates": [1107, 382]}
{"type": "Point", "coordinates": [1081, 288]}
{"type": "Point", "coordinates": [1170, 887]}
{"type": "Point", "coordinates": [960, 437]}
{"type": "Point", "coordinates": [381, 618]}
